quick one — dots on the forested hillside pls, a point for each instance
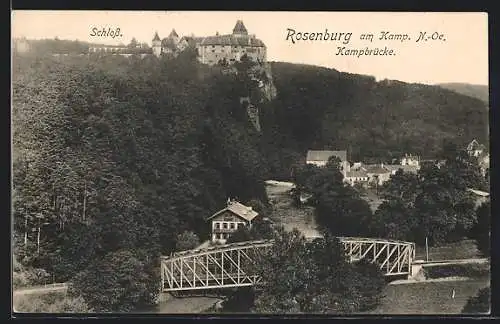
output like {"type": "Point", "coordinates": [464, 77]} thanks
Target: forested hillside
{"type": "Point", "coordinates": [320, 108]}
{"type": "Point", "coordinates": [114, 157]}
{"type": "Point", "coordinates": [478, 91]}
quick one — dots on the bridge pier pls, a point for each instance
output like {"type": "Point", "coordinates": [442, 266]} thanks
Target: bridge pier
{"type": "Point", "coordinates": [416, 271]}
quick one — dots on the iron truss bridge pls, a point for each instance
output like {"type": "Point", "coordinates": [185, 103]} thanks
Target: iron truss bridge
{"type": "Point", "coordinates": [230, 265]}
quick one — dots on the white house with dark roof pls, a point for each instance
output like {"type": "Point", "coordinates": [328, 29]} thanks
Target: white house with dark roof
{"type": "Point", "coordinates": [356, 176]}
{"type": "Point", "coordinates": [320, 158]}
{"type": "Point", "coordinates": [475, 149]}
{"type": "Point", "coordinates": [228, 220]}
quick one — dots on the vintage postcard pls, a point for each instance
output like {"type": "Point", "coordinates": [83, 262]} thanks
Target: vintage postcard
{"type": "Point", "coordinates": [169, 162]}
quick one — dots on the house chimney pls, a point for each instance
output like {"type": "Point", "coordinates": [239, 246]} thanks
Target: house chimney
{"type": "Point", "coordinates": [228, 201]}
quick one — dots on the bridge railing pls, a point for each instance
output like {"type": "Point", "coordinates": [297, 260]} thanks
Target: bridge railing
{"type": "Point", "coordinates": [228, 265]}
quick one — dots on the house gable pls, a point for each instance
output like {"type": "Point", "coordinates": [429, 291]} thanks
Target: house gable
{"type": "Point", "coordinates": [227, 216]}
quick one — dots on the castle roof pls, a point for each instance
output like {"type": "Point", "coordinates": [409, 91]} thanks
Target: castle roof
{"type": "Point", "coordinates": [231, 40]}
{"type": "Point", "coordinates": [191, 40]}
{"type": "Point", "coordinates": [239, 28]}
{"type": "Point", "coordinates": [168, 42]}
{"type": "Point", "coordinates": [173, 33]}
{"type": "Point", "coordinates": [156, 38]}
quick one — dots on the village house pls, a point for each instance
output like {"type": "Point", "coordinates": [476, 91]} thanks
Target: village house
{"type": "Point", "coordinates": [410, 160]}
{"type": "Point", "coordinates": [475, 149]}
{"type": "Point", "coordinates": [356, 176]}
{"type": "Point", "coordinates": [380, 173]}
{"type": "Point", "coordinates": [228, 220]}
{"type": "Point", "coordinates": [481, 153]}
{"type": "Point", "coordinates": [320, 158]}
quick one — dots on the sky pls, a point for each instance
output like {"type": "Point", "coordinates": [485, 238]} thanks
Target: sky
{"type": "Point", "coordinates": [461, 55]}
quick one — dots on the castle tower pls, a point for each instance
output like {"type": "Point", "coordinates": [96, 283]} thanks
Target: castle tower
{"type": "Point", "coordinates": [173, 35]}
{"type": "Point", "coordinates": [240, 29]}
{"type": "Point", "coordinates": [156, 45]}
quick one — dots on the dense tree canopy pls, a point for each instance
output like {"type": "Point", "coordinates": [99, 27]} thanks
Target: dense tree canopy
{"type": "Point", "coordinates": [435, 203]}
{"type": "Point", "coordinates": [315, 277]}
{"type": "Point", "coordinates": [116, 155]}
{"type": "Point", "coordinates": [481, 231]}
{"type": "Point", "coordinates": [320, 108]}
{"type": "Point", "coordinates": [339, 207]}
{"type": "Point", "coordinates": [479, 304]}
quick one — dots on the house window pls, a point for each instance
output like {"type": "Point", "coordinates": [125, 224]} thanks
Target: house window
{"type": "Point", "coordinates": [224, 225]}
{"type": "Point", "coordinates": [221, 236]}
{"type": "Point", "coordinates": [232, 225]}
{"type": "Point", "coordinates": [217, 225]}
{"type": "Point", "coordinates": [240, 225]}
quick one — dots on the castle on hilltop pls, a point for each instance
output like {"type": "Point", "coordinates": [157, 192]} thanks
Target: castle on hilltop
{"type": "Point", "coordinates": [215, 49]}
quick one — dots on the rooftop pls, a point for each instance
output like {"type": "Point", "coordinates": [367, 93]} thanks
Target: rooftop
{"type": "Point", "coordinates": [173, 33]}
{"type": "Point", "coordinates": [239, 209]}
{"type": "Point", "coordinates": [232, 40]}
{"type": "Point", "coordinates": [479, 192]}
{"type": "Point", "coordinates": [168, 42]}
{"type": "Point", "coordinates": [240, 28]}
{"type": "Point", "coordinates": [325, 155]}
{"type": "Point", "coordinates": [375, 168]}
{"type": "Point", "coordinates": [356, 174]}
{"type": "Point", "coordinates": [192, 40]}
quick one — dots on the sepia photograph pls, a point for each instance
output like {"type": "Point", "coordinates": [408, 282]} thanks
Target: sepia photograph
{"type": "Point", "coordinates": [250, 162]}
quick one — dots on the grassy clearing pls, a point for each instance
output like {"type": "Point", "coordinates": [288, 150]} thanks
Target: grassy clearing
{"type": "Point", "coordinates": [429, 298]}
{"type": "Point", "coordinates": [458, 270]}
{"type": "Point", "coordinates": [370, 196]}
{"type": "Point", "coordinates": [465, 249]}
{"type": "Point", "coordinates": [54, 302]}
